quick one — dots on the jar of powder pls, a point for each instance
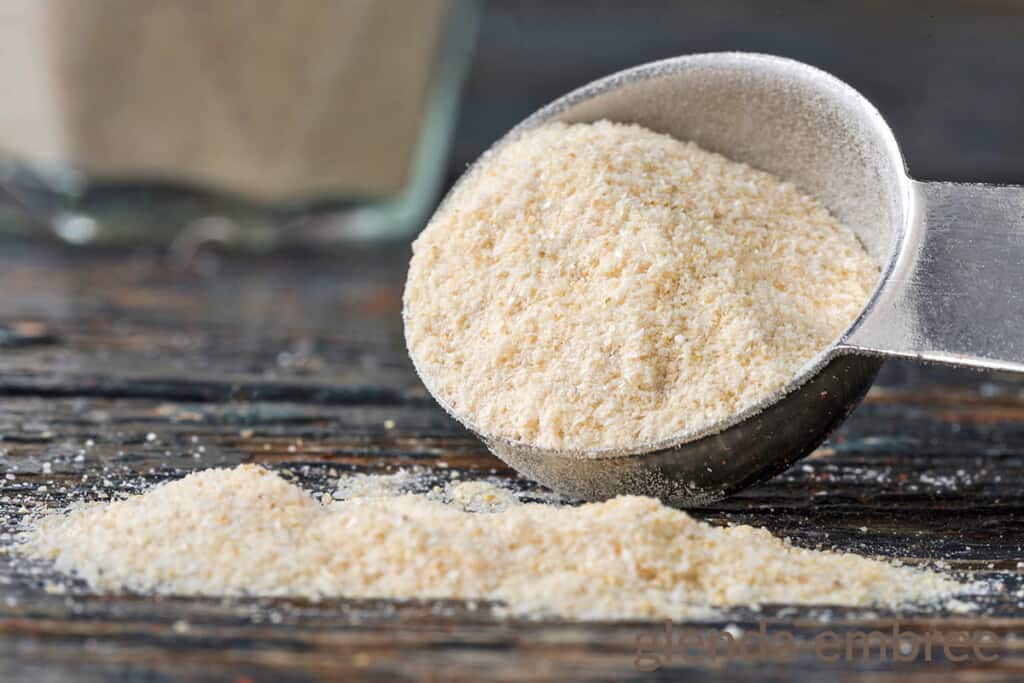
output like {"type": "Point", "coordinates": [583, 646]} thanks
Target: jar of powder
{"type": "Point", "coordinates": [256, 124]}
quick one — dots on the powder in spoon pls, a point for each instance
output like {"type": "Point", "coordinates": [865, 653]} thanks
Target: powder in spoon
{"type": "Point", "coordinates": [601, 286]}
{"type": "Point", "coordinates": [247, 531]}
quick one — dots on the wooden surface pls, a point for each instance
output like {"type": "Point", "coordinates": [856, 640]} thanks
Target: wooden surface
{"type": "Point", "coordinates": [298, 361]}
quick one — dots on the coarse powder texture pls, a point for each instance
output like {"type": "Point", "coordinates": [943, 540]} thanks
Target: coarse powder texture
{"type": "Point", "coordinates": [594, 287]}
{"type": "Point", "coordinates": [247, 531]}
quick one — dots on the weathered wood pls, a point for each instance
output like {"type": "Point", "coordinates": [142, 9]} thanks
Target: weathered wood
{"type": "Point", "coordinates": [297, 361]}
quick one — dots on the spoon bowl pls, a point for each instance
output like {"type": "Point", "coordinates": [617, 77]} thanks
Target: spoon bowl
{"type": "Point", "coordinates": [946, 254]}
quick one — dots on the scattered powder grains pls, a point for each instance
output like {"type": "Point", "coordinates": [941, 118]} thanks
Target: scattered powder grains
{"type": "Point", "coordinates": [600, 286]}
{"type": "Point", "coordinates": [248, 531]}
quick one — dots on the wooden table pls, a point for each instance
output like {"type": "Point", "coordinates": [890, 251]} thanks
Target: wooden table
{"type": "Point", "coordinates": [297, 361]}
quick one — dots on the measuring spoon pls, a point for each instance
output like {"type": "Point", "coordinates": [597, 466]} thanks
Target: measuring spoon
{"type": "Point", "coordinates": [951, 255]}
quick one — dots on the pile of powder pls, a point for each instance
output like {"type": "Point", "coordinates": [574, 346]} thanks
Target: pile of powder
{"type": "Point", "coordinates": [247, 531]}
{"type": "Point", "coordinates": [600, 286]}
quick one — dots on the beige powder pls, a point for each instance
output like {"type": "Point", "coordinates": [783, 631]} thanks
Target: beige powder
{"type": "Point", "coordinates": [601, 286]}
{"type": "Point", "coordinates": [246, 531]}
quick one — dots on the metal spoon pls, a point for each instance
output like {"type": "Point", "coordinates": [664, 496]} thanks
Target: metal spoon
{"type": "Point", "coordinates": [951, 255]}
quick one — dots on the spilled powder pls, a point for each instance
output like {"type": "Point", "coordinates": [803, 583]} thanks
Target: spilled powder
{"type": "Point", "coordinates": [601, 286]}
{"type": "Point", "coordinates": [247, 531]}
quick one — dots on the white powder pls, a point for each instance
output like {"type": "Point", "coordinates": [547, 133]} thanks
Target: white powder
{"type": "Point", "coordinates": [247, 531]}
{"type": "Point", "coordinates": [374, 486]}
{"type": "Point", "coordinates": [479, 496]}
{"type": "Point", "coordinates": [600, 286]}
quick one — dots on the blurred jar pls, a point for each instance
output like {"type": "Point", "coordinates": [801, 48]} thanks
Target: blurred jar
{"type": "Point", "coordinates": [259, 123]}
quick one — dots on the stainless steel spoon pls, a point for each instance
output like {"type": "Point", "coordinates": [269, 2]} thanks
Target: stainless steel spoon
{"type": "Point", "coordinates": [951, 255]}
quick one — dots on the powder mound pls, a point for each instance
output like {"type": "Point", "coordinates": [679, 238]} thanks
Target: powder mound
{"type": "Point", "coordinates": [246, 531]}
{"type": "Point", "coordinates": [601, 286]}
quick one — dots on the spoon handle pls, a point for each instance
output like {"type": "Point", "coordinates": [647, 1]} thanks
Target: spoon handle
{"type": "Point", "coordinates": [956, 293]}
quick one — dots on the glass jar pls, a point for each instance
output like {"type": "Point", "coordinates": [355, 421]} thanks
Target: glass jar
{"type": "Point", "coordinates": [254, 124]}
